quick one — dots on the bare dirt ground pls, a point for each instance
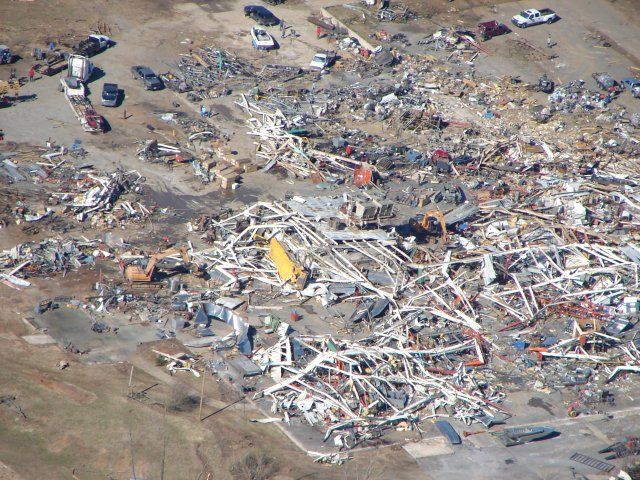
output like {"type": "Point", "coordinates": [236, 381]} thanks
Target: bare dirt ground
{"type": "Point", "coordinates": [81, 418]}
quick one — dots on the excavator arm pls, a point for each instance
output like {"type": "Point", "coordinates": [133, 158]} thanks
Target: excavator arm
{"type": "Point", "coordinates": [153, 261]}
{"type": "Point", "coordinates": [439, 217]}
{"type": "Point", "coordinates": [430, 218]}
{"type": "Point", "coordinates": [135, 274]}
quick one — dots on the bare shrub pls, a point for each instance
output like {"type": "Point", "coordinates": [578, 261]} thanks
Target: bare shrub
{"type": "Point", "coordinates": [254, 466]}
{"type": "Point", "coordinates": [181, 401]}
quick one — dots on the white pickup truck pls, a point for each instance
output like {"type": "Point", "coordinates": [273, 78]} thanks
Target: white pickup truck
{"type": "Point", "coordinates": [531, 17]}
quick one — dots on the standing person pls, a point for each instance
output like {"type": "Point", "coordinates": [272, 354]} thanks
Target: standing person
{"type": "Point", "coordinates": [318, 32]}
{"type": "Point", "coordinates": [203, 111]}
{"type": "Point", "coordinates": [348, 150]}
{"type": "Point", "coordinates": [32, 73]}
{"type": "Point", "coordinates": [549, 42]}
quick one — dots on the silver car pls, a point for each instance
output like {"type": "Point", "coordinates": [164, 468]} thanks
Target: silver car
{"type": "Point", "coordinates": [109, 95]}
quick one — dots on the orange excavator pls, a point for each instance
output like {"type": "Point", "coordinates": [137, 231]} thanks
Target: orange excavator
{"type": "Point", "coordinates": [431, 225]}
{"type": "Point", "coordinates": [135, 274]}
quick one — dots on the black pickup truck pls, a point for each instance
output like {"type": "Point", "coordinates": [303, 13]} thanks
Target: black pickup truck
{"type": "Point", "coordinates": [149, 79]}
{"type": "Point", "coordinates": [92, 45]}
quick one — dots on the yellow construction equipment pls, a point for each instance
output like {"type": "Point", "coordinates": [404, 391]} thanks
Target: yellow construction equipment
{"type": "Point", "coordinates": [287, 268]}
{"type": "Point", "coordinates": [8, 89]}
{"type": "Point", "coordinates": [432, 225]}
{"type": "Point", "coordinates": [135, 274]}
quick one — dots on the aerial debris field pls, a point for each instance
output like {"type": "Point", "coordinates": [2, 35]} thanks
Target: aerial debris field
{"type": "Point", "coordinates": [303, 239]}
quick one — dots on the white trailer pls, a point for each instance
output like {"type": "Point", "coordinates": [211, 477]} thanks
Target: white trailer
{"type": "Point", "coordinates": [79, 67]}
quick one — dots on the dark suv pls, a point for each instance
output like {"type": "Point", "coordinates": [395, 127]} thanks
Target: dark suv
{"type": "Point", "coordinates": [261, 15]}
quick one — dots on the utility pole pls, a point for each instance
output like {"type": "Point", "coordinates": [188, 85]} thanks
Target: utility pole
{"type": "Point", "coordinates": [133, 463]}
{"type": "Point", "coordinates": [164, 440]}
{"type": "Point", "coordinates": [130, 379]}
{"type": "Point", "coordinates": [204, 373]}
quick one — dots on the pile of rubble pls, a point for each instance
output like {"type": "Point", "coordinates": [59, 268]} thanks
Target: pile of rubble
{"type": "Point", "coordinates": [58, 186]}
{"type": "Point", "coordinates": [450, 39]}
{"type": "Point", "coordinates": [360, 389]}
{"type": "Point", "coordinates": [207, 72]}
{"type": "Point", "coordinates": [514, 286]}
{"type": "Point", "coordinates": [288, 150]}
{"type": "Point", "coordinates": [470, 241]}
{"type": "Point", "coordinates": [384, 12]}
{"type": "Point", "coordinates": [211, 72]}
{"type": "Point", "coordinates": [47, 258]}
{"type": "Point", "coordinates": [298, 248]}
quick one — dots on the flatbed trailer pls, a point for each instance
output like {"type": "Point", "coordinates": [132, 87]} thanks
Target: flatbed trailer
{"type": "Point", "coordinates": [90, 120]}
{"type": "Point", "coordinates": [52, 65]}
